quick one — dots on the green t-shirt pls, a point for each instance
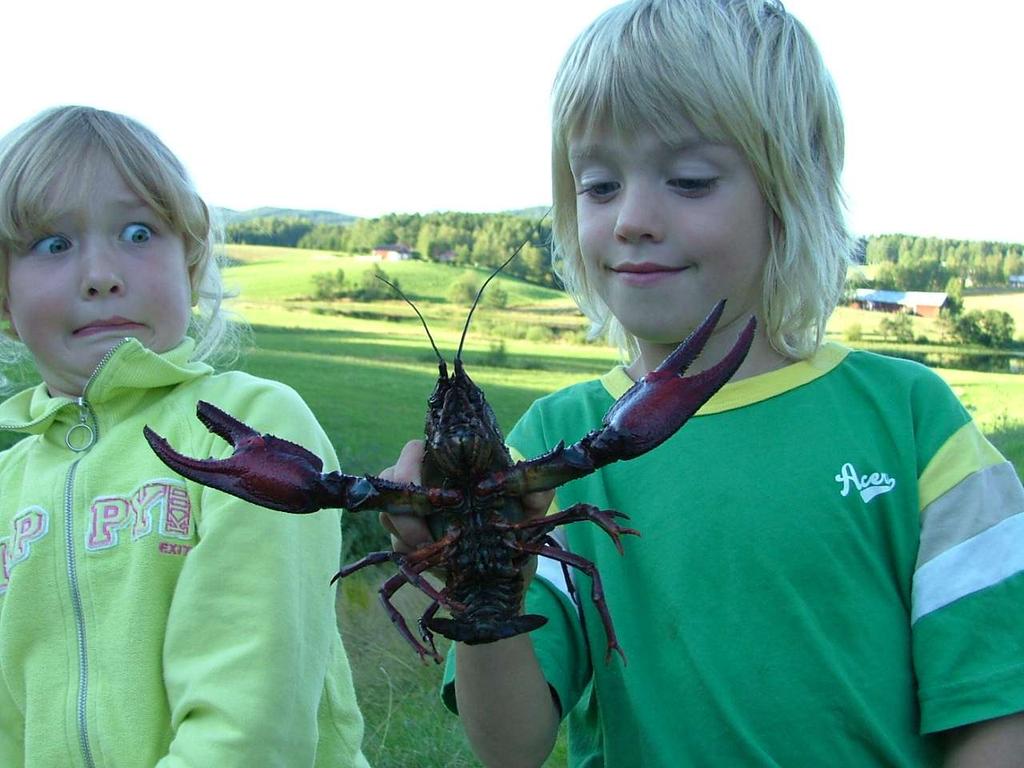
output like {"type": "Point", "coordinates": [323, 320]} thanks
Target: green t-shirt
{"type": "Point", "coordinates": [831, 564]}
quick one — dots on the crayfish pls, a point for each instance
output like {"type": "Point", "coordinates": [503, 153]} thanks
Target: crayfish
{"type": "Point", "coordinates": [471, 490]}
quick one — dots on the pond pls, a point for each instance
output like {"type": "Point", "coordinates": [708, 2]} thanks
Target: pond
{"type": "Point", "coordinates": [984, 363]}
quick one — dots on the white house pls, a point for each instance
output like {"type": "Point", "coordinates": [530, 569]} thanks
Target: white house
{"type": "Point", "coordinates": [392, 252]}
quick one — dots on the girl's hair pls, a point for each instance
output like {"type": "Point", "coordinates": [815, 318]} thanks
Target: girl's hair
{"type": "Point", "coordinates": [38, 162]}
{"type": "Point", "coordinates": [745, 73]}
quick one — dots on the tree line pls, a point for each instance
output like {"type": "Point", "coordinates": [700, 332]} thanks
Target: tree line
{"type": "Point", "coordinates": [477, 239]}
{"type": "Point", "coordinates": [901, 262]}
{"type": "Point", "coordinates": [909, 263]}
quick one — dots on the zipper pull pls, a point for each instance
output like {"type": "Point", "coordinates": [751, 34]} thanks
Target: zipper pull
{"type": "Point", "coordinates": [86, 436]}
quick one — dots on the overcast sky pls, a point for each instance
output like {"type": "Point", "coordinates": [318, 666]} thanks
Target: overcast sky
{"type": "Point", "coordinates": [366, 108]}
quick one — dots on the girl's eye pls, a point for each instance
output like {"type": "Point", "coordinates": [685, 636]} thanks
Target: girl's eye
{"type": "Point", "coordinates": [692, 186]}
{"type": "Point", "coordinates": [53, 244]}
{"type": "Point", "coordinates": [599, 189]}
{"type": "Point", "coordinates": [136, 233]}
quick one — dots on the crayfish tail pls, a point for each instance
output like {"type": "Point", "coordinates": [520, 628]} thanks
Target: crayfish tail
{"type": "Point", "coordinates": [476, 634]}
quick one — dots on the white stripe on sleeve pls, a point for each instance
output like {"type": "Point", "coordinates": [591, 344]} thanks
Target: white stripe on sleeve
{"type": "Point", "coordinates": [982, 561]}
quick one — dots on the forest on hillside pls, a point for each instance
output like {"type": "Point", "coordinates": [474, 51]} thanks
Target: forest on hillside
{"type": "Point", "coordinates": [479, 239]}
{"type": "Point", "coordinates": [908, 263]}
{"type": "Point", "coordinates": [895, 262]}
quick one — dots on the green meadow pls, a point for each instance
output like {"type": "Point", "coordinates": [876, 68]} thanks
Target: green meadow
{"type": "Point", "coordinates": [367, 369]}
{"type": "Point", "coordinates": [348, 357]}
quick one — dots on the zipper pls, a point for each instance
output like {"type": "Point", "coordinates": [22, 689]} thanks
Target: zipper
{"type": "Point", "coordinates": [76, 604]}
{"type": "Point", "coordinates": [82, 436]}
{"type": "Point", "coordinates": [83, 430]}
{"type": "Point", "coordinates": [102, 362]}
{"type": "Point", "coordinates": [89, 432]}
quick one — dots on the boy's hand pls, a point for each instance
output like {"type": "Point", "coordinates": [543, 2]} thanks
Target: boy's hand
{"type": "Point", "coordinates": [408, 532]}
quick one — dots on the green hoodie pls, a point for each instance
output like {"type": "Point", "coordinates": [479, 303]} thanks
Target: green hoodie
{"type": "Point", "coordinates": [146, 620]}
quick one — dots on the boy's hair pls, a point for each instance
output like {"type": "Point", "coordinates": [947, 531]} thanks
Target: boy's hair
{"type": "Point", "coordinates": [745, 73]}
{"type": "Point", "coordinates": [38, 164]}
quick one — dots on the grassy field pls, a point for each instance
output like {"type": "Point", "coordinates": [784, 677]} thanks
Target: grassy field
{"type": "Point", "coordinates": [366, 370]}
{"type": "Point", "coordinates": [345, 372]}
{"type": "Point", "coordinates": [346, 358]}
{"type": "Point", "coordinates": [269, 274]}
{"type": "Point", "coordinates": [1006, 300]}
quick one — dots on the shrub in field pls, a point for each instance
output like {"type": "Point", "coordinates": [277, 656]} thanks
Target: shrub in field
{"type": "Point", "coordinates": [495, 296]}
{"type": "Point", "coordinates": [464, 290]}
{"type": "Point", "coordinates": [508, 330]}
{"type": "Point", "coordinates": [899, 326]}
{"type": "Point", "coordinates": [853, 332]}
{"type": "Point", "coordinates": [497, 356]}
{"type": "Point", "coordinates": [329, 285]}
{"type": "Point", "coordinates": [539, 333]}
{"type": "Point", "coordinates": [371, 287]}
{"type": "Point", "coordinates": [991, 328]}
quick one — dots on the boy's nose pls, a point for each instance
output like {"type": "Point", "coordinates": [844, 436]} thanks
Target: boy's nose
{"type": "Point", "coordinates": [638, 219]}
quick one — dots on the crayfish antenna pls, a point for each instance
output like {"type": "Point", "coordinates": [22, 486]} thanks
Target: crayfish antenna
{"type": "Point", "coordinates": [408, 301]}
{"type": "Point", "coordinates": [465, 329]}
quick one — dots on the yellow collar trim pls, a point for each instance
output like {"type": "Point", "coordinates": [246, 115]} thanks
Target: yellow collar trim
{"type": "Point", "coordinates": [736, 394]}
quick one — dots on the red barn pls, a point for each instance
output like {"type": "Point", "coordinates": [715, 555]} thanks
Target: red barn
{"type": "Point", "coordinates": [922, 303]}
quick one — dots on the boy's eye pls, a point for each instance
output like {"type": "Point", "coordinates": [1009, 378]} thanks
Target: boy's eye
{"type": "Point", "coordinates": [599, 189]}
{"type": "Point", "coordinates": [136, 233]}
{"type": "Point", "coordinates": [692, 185]}
{"type": "Point", "coordinates": [51, 245]}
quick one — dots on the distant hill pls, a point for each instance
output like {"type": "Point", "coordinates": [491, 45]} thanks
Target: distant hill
{"type": "Point", "coordinates": [530, 213]}
{"type": "Point", "coordinates": [230, 216]}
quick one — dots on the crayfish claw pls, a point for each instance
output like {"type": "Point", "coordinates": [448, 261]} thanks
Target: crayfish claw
{"type": "Point", "coordinates": [223, 424]}
{"type": "Point", "coordinates": [201, 470]}
{"type": "Point", "coordinates": [263, 469]}
{"type": "Point", "coordinates": [682, 357]}
{"type": "Point", "coordinates": [656, 406]}
{"type": "Point", "coordinates": [241, 436]}
{"type": "Point", "coordinates": [648, 414]}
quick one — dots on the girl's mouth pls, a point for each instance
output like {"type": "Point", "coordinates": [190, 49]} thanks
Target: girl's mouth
{"type": "Point", "coordinates": [108, 325]}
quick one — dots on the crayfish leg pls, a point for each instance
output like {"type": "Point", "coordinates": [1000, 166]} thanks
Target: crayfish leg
{"type": "Point", "coordinates": [578, 513]}
{"type": "Point", "coordinates": [386, 592]}
{"type": "Point", "coordinates": [425, 634]}
{"type": "Point", "coordinates": [596, 588]}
